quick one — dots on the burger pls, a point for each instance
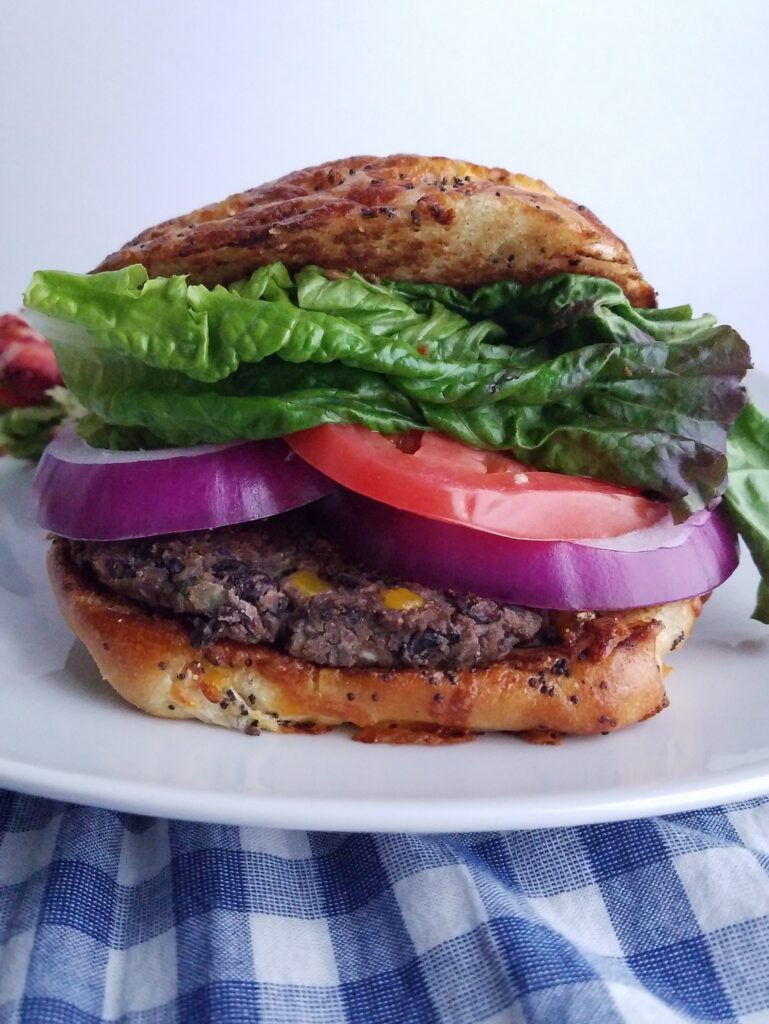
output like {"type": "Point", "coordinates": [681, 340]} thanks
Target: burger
{"type": "Point", "coordinates": [398, 443]}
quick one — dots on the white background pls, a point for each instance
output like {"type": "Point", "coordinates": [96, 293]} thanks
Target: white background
{"type": "Point", "coordinates": [114, 116]}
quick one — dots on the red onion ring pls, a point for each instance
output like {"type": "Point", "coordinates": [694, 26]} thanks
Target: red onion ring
{"type": "Point", "coordinates": [93, 494]}
{"type": "Point", "coordinates": [561, 575]}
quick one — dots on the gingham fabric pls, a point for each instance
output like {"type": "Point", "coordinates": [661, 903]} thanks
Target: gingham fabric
{"type": "Point", "coordinates": [110, 917]}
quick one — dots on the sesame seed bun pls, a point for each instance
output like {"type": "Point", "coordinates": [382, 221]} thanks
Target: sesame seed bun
{"type": "Point", "coordinates": [404, 217]}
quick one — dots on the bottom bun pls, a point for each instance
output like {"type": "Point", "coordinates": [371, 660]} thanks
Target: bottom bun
{"type": "Point", "coordinates": [605, 672]}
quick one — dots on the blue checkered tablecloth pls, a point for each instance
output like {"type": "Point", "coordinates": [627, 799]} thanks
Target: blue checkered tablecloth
{"type": "Point", "coordinates": [110, 917]}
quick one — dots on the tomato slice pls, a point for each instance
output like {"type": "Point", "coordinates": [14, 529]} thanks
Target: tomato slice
{"type": "Point", "coordinates": [27, 363]}
{"type": "Point", "coordinates": [436, 477]}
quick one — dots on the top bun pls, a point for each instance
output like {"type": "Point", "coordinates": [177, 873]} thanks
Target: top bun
{"type": "Point", "coordinates": [403, 217]}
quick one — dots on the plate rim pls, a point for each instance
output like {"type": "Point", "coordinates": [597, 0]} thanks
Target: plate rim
{"type": "Point", "coordinates": [385, 815]}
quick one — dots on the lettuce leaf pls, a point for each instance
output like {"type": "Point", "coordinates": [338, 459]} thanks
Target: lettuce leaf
{"type": "Point", "coordinates": [747, 497]}
{"type": "Point", "coordinates": [26, 430]}
{"type": "Point", "coordinates": [270, 400]}
{"type": "Point", "coordinates": [564, 373]}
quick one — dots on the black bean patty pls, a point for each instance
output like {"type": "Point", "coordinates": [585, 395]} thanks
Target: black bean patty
{"type": "Point", "coordinates": [278, 581]}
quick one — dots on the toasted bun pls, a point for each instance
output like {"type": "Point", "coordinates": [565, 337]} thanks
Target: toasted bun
{"type": "Point", "coordinates": [404, 217]}
{"type": "Point", "coordinates": [603, 676]}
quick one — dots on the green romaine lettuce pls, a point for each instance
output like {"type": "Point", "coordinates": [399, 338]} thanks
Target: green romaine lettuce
{"type": "Point", "coordinates": [26, 430]}
{"type": "Point", "coordinates": [747, 497]}
{"type": "Point", "coordinates": [565, 373]}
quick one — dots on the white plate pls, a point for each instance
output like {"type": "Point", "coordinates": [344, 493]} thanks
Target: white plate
{"type": "Point", "coordinates": [65, 734]}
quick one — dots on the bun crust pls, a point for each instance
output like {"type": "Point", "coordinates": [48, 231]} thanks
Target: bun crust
{"type": "Point", "coordinates": [600, 677]}
{"type": "Point", "coordinates": [404, 217]}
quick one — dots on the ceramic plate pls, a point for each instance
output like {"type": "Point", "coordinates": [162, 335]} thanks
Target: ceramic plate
{"type": "Point", "coordinates": [65, 734]}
